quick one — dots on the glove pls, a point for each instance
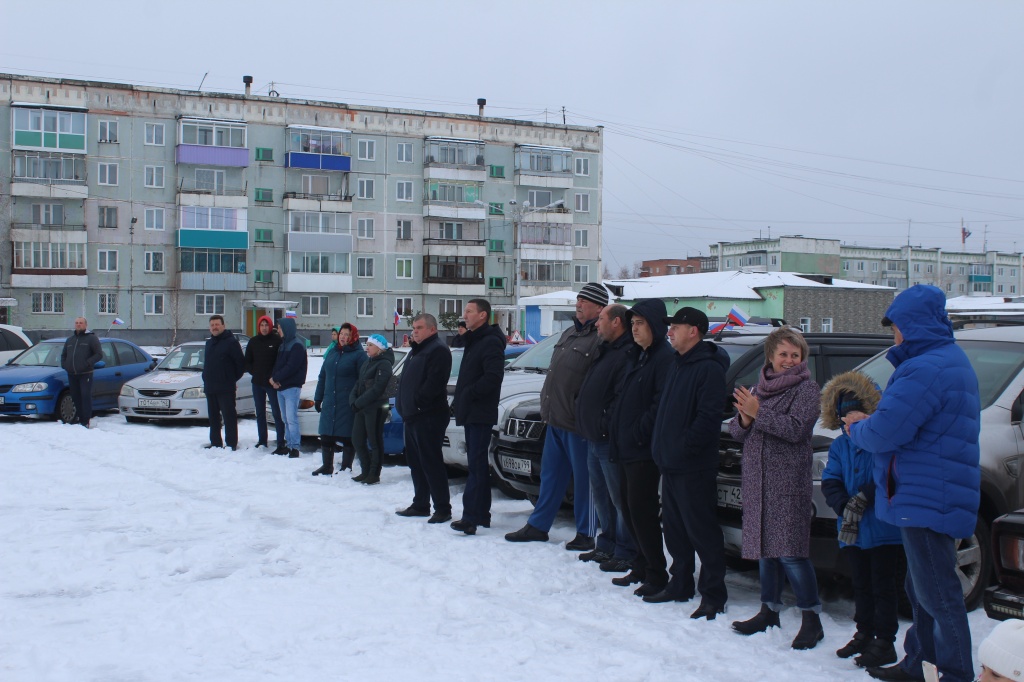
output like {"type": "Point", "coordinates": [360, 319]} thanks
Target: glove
{"type": "Point", "coordinates": [852, 515]}
{"type": "Point", "coordinates": [848, 532]}
{"type": "Point", "coordinates": [318, 405]}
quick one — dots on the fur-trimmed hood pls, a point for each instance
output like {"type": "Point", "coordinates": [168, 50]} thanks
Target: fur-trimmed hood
{"type": "Point", "coordinates": [854, 382]}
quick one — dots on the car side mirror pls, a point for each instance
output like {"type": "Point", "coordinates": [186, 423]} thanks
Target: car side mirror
{"type": "Point", "coordinates": [99, 365]}
{"type": "Point", "coordinates": [1017, 410]}
{"type": "Point", "coordinates": [152, 365]}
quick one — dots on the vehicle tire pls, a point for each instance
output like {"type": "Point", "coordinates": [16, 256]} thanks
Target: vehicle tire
{"type": "Point", "coordinates": [505, 488]}
{"type": "Point", "coordinates": [65, 408]}
{"type": "Point", "coordinates": [974, 563]}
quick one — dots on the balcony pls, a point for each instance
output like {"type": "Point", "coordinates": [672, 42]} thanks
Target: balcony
{"type": "Point", "coordinates": [208, 155]}
{"type": "Point", "coordinates": [324, 242]}
{"type": "Point", "coordinates": [49, 279]}
{"type": "Point", "coordinates": [451, 158]}
{"type": "Point", "coordinates": [540, 166]}
{"type": "Point", "coordinates": [454, 239]}
{"type": "Point", "coordinates": [463, 275]}
{"type": "Point", "coordinates": [320, 203]}
{"type": "Point", "coordinates": [313, 161]}
{"type": "Point", "coordinates": [192, 193]}
{"type": "Point", "coordinates": [323, 283]}
{"type": "Point", "coordinates": [213, 239]}
{"type": "Point", "coordinates": [46, 175]}
{"type": "Point", "coordinates": [315, 148]}
{"type": "Point", "coordinates": [213, 281]}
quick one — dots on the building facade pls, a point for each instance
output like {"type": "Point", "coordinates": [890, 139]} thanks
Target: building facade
{"type": "Point", "coordinates": [160, 207]}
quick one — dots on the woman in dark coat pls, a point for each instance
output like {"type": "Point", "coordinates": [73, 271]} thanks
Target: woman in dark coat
{"type": "Point", "coordinates": [370, 408]}
{"type": "Point", "coordinates": [775, 422]}
{"type": "Point", "coordinates": [337, 377]}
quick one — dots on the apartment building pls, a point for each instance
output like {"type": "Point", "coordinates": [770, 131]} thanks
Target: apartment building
{"type": "Point", "coordinates": [160, 207]}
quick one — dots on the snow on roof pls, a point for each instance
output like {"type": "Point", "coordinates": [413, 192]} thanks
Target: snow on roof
{"type": "Point", "coordinates": [985, 303]}
{"type": "Point", "coordinates": [567, 297]}
{"type": "Point", "coordinates": [725, 285]}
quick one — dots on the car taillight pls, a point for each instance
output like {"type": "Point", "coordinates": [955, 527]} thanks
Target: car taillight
{"type": "Point", "coordinates": [1011, 552]}
{"type": "Point", "coordinates": [305, 404]}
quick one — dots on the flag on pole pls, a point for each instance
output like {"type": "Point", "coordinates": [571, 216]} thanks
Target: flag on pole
{"type": "Point", "coordinates": [290, 313]}
{"type": "Point", "coordinates": [737, 316]}
{"type": "Point", "coordinates": [397, 318]}
{"type": "Point", "coordinates": [118, 320]}
{"type": "Point", "coordinates": [717, 328]}
{"type": "Point", "coordinates": [530, 339]}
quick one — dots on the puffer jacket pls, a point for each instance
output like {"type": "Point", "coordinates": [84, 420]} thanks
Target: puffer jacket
{"type": "Point", "coordinates": [570, 361]}
{"type": "Point", "coordinates": [924, 434]}
{"type": "Point", "coordinates": [223, 363]}
{"type": "Point", "coordinates": [261, 354]}
{"type": "Point", "coordinates": [601, 385]}
{"type": "Point", "coordinates": [374, 375]}
{"type": "Point", "coordinates": [478, 387]}
{"type": "Point", "coordinates": [81, 353]}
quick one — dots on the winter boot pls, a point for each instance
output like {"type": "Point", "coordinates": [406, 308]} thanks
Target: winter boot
{"type": "Point", "coordinates": [374, 475]}
{"type": "Point", "coordinates": [328, 467]}
{"type": "Point", "coordinates": [855, 646]}
{"type": "Point", "coordinates": [766, 618]}
{"type": "Point", "coordinates": [810, 632]}
{"type": "Point", "coordinates": [348, 454]}
{"type": "Point", "coordinates": [877, 653]}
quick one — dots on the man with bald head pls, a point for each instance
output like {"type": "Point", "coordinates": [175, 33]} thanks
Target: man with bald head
{"type": "Point", "coordinates": [79, 357]}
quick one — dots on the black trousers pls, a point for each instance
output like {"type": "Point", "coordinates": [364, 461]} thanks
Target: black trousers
{"type": "Point", "coordinates": [874, 589]}
{"type": "Point", "coordinates": [423, 441]}
{"type": "Point", "coordinates": [368, 437]}
{"type": "Point", "coordinates": [221, 409]}
{"type": "Point", "coordinates": [81, 396]}
{"type": "Point", "coordinates": [689, 504]}
{"type": "Point", "coordinates": [641, 505]}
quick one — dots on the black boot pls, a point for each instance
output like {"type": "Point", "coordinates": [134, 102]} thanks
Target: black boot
{"type": "Point", "coordinates": [374, 468]}
{"type": "Point", "coordinates": [855, 646]}
{"type": "Point", "coordinates": [765, 618]}
{"type": "Point", "coordinates": [348, 455]}
{"type": "Point", "coordinates": [328, 466]}
{"type": "Point", "coordinates": [877, 653]}
{"type": "Point", "coordinates": [810, 632]}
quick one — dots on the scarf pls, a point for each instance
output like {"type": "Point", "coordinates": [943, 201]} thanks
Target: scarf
{"type": "Point", "coordinates": [771, 384]}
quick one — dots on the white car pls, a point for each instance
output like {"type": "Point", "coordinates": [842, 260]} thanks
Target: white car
{"type": "Point", "coordinates": [12, 342]}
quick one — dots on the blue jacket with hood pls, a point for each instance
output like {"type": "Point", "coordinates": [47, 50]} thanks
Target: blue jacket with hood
{"type": "Point", "coordinates": [290, 366]}
{"type": "Point", "coordinates": [925, 431]}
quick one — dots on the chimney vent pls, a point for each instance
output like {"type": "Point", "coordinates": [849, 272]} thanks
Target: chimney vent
{"type": "Point", "coordinates": [481, 103]}
{"type": "Point", "coordinates": [248, 84]}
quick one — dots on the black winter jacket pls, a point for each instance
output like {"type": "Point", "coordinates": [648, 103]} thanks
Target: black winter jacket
{"type": "Point", "coordinates": [423, 388]}
{"type": "Point", "coordinates": [689, 423]}
{"type": "Point", "coordinates": [479, 384]}
{"type": "Point", "coordinates": [260, 356]}
{"type": "Point", "coordinates": [223, 363]}
{"type": "Point", "coordinates": [570, 361]}
{"type": "Point", "coordinates": [81, 353]}
{"type": "Point", "coordinates": [372, 384]}
{"type": "Point", "coordinates": [601, 385]}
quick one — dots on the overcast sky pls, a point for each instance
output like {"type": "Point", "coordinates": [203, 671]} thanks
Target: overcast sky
{"type": "Point", "coordinates": [870, 122]}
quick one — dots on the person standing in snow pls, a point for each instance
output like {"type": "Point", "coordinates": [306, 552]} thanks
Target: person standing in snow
{"type": "Point", "coordinates": [260, 356]}
{"type": "Point", "coordinates": [338, 375]}
{"type": "Point", "coordinates": [286, 378]}
{"type": "Point", "coordinates": [370, 406]}
{"type": "Point", "coordinates": [78, 358]}
{"type": "Point", "coordinates": [223, 366]}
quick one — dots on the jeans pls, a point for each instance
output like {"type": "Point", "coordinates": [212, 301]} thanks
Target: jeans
{"type": "Point", "coordinates": [476, 499]}
{"type": "Point", "coordinates": [565, 456]}
{"type": "Point", "coordinates": [423, 440]}
{"type": "Point", "coordinates": [642, 509]}
{"type": "Point", "coordinates": [940, 633]}
{"type": "Point", "coordinates": [260, 394]}
{"type": "Point", "coordinates": [288, 401]}
{"type": "Point", "coordinates": [800, 573]}
{"type": "Point", "coordinates": [221, 405]}
{"type": "Point", "coordinates": [689, 506]}
{"type": "Point", "coordinates": [874, 589]}
{"type": "Point", "coordinates": [606, 489]}
{"type": "Point", "coordinates": [81, 396]}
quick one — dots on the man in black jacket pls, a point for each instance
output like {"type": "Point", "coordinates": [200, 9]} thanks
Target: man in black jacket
{"type": "Point", "coordinates": [614, 551]}
{"type": "Point", "coordinates": [685, 448]}
{"type": "Point", "coordinates": [422, 401]}
{"type": "Point", "coordinates": [476, 408]}
{"type": "Point", "coordinates": [223, 366]}
{"type": "Point", "coordinates": [632, 425]}
{"type": "Point", "coordinates": [79, 357]}
{"type": "Point", "coordinates": [260, 356]}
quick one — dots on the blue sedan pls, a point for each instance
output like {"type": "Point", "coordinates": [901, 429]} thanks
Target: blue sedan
{"type": "Point", "coordinates": [34, 383]}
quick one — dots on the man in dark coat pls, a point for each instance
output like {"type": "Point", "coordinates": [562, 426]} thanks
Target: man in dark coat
{"type": "Point", "coordinates": [422, 402]}
{"type": "Point", "coordinates": [260, 356]}
{"type": "Point", "coordinates": [685, 448]}
{"type": "Point", "coordinates": [632, 426]}
{"type": "Point", "coordinates": [476, 408]}
{"type": "Point", "coordinates": [223, 366]}
{"type": "Point", "coordinates": [79, 357]}
{"type": "Point", "coordinates": [459, 340]}
{"type": "Point", "coordinates": [615, 550]}
{"type": "Point", "coordinates": [287, 377]}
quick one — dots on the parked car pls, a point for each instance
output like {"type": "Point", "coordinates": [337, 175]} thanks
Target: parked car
{"type": "Point", "coordinates": [12, 342]}
{"type": "Point", "coordinates": [1005, 599]}
{"type": "Point", "coordinates": [175, 390]}
{"type": "Point", "coordinates": [34, 383]}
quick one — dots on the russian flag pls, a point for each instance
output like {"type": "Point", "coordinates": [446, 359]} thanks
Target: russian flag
{"type": "Point", "coordinates": [290, 313]}
{"type": "Point", "coordinates": [717, 328]}
{"type": "Point", "coordinates": [530, 339]}
{"type": "Point", "coordinates": [397, 318]}
{"type": "Point", "coordinates": [737, 316]}
{"type": "Point", "coordinates": [118, 320]}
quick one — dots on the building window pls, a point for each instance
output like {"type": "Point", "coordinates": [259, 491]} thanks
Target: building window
{"type": "Point", "coordinates": [929, 269]}
{"type": "Point", "coordinates": [860, 266]}
{"type": "Point", "coordinates": [106, 261]}
{"type": "Point", "coordinates": [404, 191]}
{"type": "Point", "coordinates": [154, 176]}
{"type": "Point", "coordinates": [583, 203]}
{"type": "Point", "coordinates": [405, 229]}
{"type": "Point", "coordinates": [960, 287]}
{"type": "Point", "coordinates": [826, 325]}
{"type": "Point", "coordinates": [453, 193]}
{"type": "Point", "coordinates": [107, 174]}
{"type": "Point", "coordinates": [154, 304]}
{"type": "Point", "coordinates": [846, 265]}
{"type": "Point", "coordinates": [47, 214]}
{"type": "Point", "coordinates": [775, 260]}
{"type": "Point", "coordinates": [805, 325]}
{"type": "Point", "coordinates": [264, 195]}
{"type": "Point", "coordinates": [540, 198]}
{"type": "Point", "coordinates": [154, 218]}
{"type": "Point", "coordinates": [314, 221]}
{"type": "Point", "coordinates": [728, 262]}
{"type": "Point", "coordinates": [108, 131]}
{"type": "Point", "coordinates": [367, 150]}
{"type": "Point", "coordinates": [581, 273]}
{"type": "Point", "coordinates": [264, 277]}
{"type": "Point", "coordinates": [949, 288]}
{"type": "Point", "coordinates": [364, 266]}
{"type": "Point", "coordinates": [315, 305]}
{"type": "Point", "coordinates": [47, 129]}
{"type": "Point", "coordinates": [999, 288]}
{"type": "Point", "coordinates": [1013, 272]}
{"type": "Point", "coordinates": [451, 231]}
{"type": "Point", "coordinates": [155, 134]}
{"type": "Point", "coordinates": [154, 261]}
{"type": "Point", "coordinates": [892, 283]}
{"type": "Point", "coordinates": [46, 302]}
{"type": "Point", "coordinates": [874, 267]}
{"type": "Point", "coordinates": [403, 268]}
{"type": "Point", "coordinates": [209, 218]}
{"type": "Point", "coordinates": [450, 305]}
{"type": "Point", "coordinates": [581, 237]}
{"type": "Point", "coordinates": [364, 306]}
{"type": "Point", "coordinates": [364, 228]}
{"type": "Point", "coordinates": [546, 271]}
{"type": "Point", "coordinates": [403, 306]}
{"type": "Point", "coordinates": [108, 216]}
{"type": "Point", "coordinates": [495, 282]}
{"type": "Point", "coordinates": [209, 134]}
{"type": "Point", "coordinates": [264, 236]}
{"type": "Point", "coordinates": [365, 188]}
{"type": "Point", "coordinates": [264, 154]}
{"type": "Point", "coordinates": [1013, 288]}
{"type": "Point", "coordinates": [212, 260]}
{"type": "Point", "coordinates": [582, 166]}
{"type": "Point", "coordinates": [334, 143]}
{"type": "Point", "coordinates": [315, 184]}
{"type": "Point", "coordinates": [209, 304]}
{"type": "Point", "coordinates": [496, 245]}
{"type": "Point", "coordinates": [49, 256]}
{"type": "Point", "coordinates": [495, 208]}
{"type": "Point", "coordinates": [453, 269]}
{"type": "Point", "coordinates": [497, 172]}
{"type": "Point", "coordinates": [405, 152]}
{"type": "Point", "coordinates": [317, 263]}
{"type": "Point", "coordinates": [949, 269]}
{"type": "Point", "coordinates": [107, 304]}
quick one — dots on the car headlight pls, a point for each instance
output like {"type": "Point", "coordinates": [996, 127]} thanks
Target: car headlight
{"type": "Point", "coordinates": [193, 393]}
{"type": "Point", "coordinates": [34, 387]}
{"type": "Point", "coordinates": [127, 391]}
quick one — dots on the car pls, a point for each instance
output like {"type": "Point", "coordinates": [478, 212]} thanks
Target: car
{"type": "Point", "coordinates": [34, 384]}
{"type": "Point", "coordinates": [1005, 599]}
{"type": "Point", "coordinates": [12, 342]}
{"type": "Point", "coordinates": [514, 351]}
{"type": "Point", "coordinates": [175, 390]}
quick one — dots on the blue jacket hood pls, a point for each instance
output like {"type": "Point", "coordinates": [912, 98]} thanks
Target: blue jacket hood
{"type": "Point", "coordinates": [920, 314]}
{"type": "Point", "coordinates": [287, 325]}
{"type": "Point", "coordinates": [653, 310]}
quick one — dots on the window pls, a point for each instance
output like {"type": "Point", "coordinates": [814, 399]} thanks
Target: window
{"type": "Point", "coordinates": [154, 261]}
{"type": "Point", "coordinates": [154, 304]}
{"type": "Point", "coordinates": [1013, 288]}
{"type": "Point", "coordinates": [546, 271]}
{"type": "Point", "coordinates": [949, 269]}
{"type": "Point", "coordinates": [212, 260]}
{"type": "Point", "coordinates": [314, 221]}
{"type": "Point", "coordinates": [107, 174]}
{"type": "Point", "coordinates": [108, 131]}
{"type": "Point", "coordinates": [264, 154]}
{"type": "Point", "coordinates": [365, 188]}
{"type": "Point", "coordinates": [453, 269]}
{"type": "Point", "coordinates": [210, 180]}
{"type": "Point", "coordinates": [583, 203]}
{"type": "Point", "coordinates": [497, 171]}
{"type": "Point", "coordinates": [874, 267]}
{"type": "Point", "coordinates": [317, 263]}
{"type": "Point", "coordinates": [314, 141]}
{"type": "Point", "coordinates": [46, 302]}
{"type": "Point", "coordinates": [450, 305]}
{"type": "Point", "coordinates": [47, 214]}
{"type": "Point", "coordinates": [405, 152]}
{"type": "Point", "coordinates": [264, 195]}
{"type": "Point", "coordinates": [495, 208]}
{"type": "Point", "coordinates": [209, 304]}
{"type": "Point", "coordinates": [949, 288]}
{"type": "Point", "coordinates": [846, 265]}
{"type": "Point", "coordinates": [404, 191]}
{"type": "Point", "coordinates": [860, 266]}
{"type": "Point", "coordinates": [154, 176]}
{"type": "Point", "coordinates": [315, 305]}
{"type": "Point", "coordinates": [581, 238]}
{"type": "Point", "coordinates": [154, 219]}
{"type": "Point", "coordinates": [106, 261]}
{"type": "Point", "coordinates": [496, 245]}
{"type": "Point", "coordinates": [209, 218]}
{"type": "Point", "coordinates": [582, 166]}
{"type": "Point", "coordinates": [213, 134]}
{"type": "Point", "coordinates": [46, 129]}
{"type": "Point", "coordinates": [495, 282]}
{"type": "Point", "coordinates": [364, 306]}
{"type": "Point", "coordinates": [451, 192]}
{"type": "Point", "coordinates": [960, 287]}
{"type": "Point", "coordinates": [439, 150]}
{"type": "Point", "coordinates": [107, 304]}
{"type": "Point", "coordinates": [826, 325]}
{"type": "Point", "coordinates": [364, 266]}
{"type": "Point", "coordinates": [364, 228]}
{"type": "Point", "coordinates": [805, 325]}
{"type": "Point", "coordinates": [367, 150]}
{"type": "Point", "coordinates": [775, 260]}
{"type": "Point", "coordinates": [264, 236]}
{"type": "Point", "coordinates": [264, 277]}
{"type": "Point", "coordinates": [49, 167]}
{"type": "Point", "coordinates": [315, 184]}
{"type": "Point", "coordinates": [155, 134]}
{"type": "Point", "coordinates": [999, 288]}
{"type": "Point", "coordinates": [49, 256]}
{"type": "Point", "coordinates": [451, 231]}
{"type": "Point", "coordinates": [917, 267]}
{"type": "Point", "coordinates": [405, 229]}
{"type": "Point", "coordinates": [403, 268]}
{"type": "Point", "coordinates": [403, 306]}
{"type": "Point", "coordinates": [1013, 272]}
{"type": "Point", "coordinates": [108, 216]}
{"type": "Point", "coordinates": [581, 273]}
{"type": "Point", "coordinates": [929, 268]}
{"type": "Point", "coordinates": [539, 198]}
{"type": "Point", "coordinates": [962, 270]}
{"type": "Point", "coordinates": [892, 283]}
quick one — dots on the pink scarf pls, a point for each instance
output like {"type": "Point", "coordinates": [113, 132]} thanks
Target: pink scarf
{"type": "Point", "coordinates": [772, 384]}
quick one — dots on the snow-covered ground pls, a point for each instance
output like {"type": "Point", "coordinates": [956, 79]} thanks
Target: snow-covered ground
{"type": "Point", "coordinates": [130, 553]}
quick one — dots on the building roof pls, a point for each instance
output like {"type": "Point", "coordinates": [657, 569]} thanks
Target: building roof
{"type": "Point", "coordinates": [987, 304]}
{"type": "Point", "coordinates": [567, 297]}
{"type": "Point", "coordinates": [731, 285]}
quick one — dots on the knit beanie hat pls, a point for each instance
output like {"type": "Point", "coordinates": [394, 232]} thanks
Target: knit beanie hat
{"type": "Point", "coordinates": [848, 402]}
{"type": "Point", "coordinates": [595, 293]}
{"type": "Point", "coordinates": [1003, 650]}
{"type": "Point", "coordinates": [379, 341]}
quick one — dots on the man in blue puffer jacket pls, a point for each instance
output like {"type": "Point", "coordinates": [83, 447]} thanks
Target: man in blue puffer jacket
{"type": "Point", "coordinates": [927, 476]}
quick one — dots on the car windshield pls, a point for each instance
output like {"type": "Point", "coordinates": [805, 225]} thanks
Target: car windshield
{"type": "Point", "coordinates": [735, 350]}
{"type": "Point", "coordinates": [537, 358]}
{"type": "Point", "coordinates": [456, 363]}
{"type": "Point", "coordinates": [184, 358]}
{"type": "Point", "coordinates": [42, 355]}
{"type": "Point", "coordinates": [995, 362]}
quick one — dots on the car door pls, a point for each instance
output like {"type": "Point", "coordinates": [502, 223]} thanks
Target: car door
{"type": "Point", "coordinates": [132, 362]}
{"type": "Point", "coordinates": [106, 381]}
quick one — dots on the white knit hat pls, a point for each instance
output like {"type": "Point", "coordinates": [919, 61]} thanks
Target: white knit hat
{"type": "Point", "coordinates": [1003, 650]}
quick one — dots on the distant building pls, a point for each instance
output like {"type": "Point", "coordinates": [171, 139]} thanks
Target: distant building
{"type": "Point", "coordinates": [670, 266]}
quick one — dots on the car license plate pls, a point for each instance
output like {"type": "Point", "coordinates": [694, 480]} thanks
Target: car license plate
{"type": "Point", "coordinates": [515, 465]}
{"type": "Point", "coordinates": [730, 496]}
{"type": "Point", "coordinates": [1, 400]}
{"type": "Point", "coordinates": [150, 402]}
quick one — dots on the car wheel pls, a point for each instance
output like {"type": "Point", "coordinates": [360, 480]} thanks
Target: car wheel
{"type": "Point", "coordinates": [974, 564]}
{"type": "Point", "coordinates": [66, 408]}
{"type": "Point", "coordinates": [505, 488]}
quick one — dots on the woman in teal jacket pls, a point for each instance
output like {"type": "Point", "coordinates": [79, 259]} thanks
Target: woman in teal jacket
{"type": "Point", "coordinates": [337, 377]}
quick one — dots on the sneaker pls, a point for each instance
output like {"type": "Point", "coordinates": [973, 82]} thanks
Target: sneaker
{"type": "Point", "coordinates": [595, 555]}
{"type": "Point", "coordinates": [855, 646]}
{"type": "Point", "coordinates": [411, 511]}
{"type": "Point", "coordinates": [527, 534]}
{"type": "Point", "coordinates": [614, 565]}
{"type": "Point", "coordinates": [877, 652]}
{"type": "Point", "coordinates": [580, 543]}
{"type": "Point", "coordinates": [464, 527]}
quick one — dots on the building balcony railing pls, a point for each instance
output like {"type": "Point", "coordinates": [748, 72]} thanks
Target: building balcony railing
{"type": "Point", "coordinates": [50, 181]}
{"type": "Point", "coordinates": [445, 279]}
{"type": "Point", "coordinates": [317, 197]}
{"type": "Point", "coordinates": [186, 186]}
{"type": "Point", "coordinates": [545, 234]}
{"type": "Point", "coordinates": [64, 227]}
{"type": "Point", "coordinates": [454, 242]}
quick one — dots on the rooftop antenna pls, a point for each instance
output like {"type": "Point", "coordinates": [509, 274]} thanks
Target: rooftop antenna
{"type": "Point", "coordinates": [202, 81]}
